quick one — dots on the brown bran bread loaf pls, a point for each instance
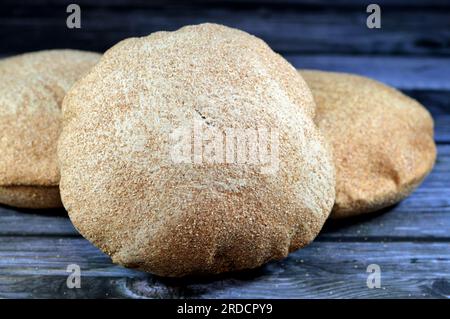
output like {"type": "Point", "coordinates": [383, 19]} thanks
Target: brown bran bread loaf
{"type": "Point", "coordinates": [32, 87]}
{"type": "Point", "coordinates": [126, 194]}
{"type": "Point", "coordinates": [382, 140]}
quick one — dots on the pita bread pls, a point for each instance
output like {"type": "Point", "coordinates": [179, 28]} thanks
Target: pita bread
{"type": "Point", "coordinates": [127, 194]}
{"type": "Point", "coordinates": [382, 140]}
{"type": "Point", "coordinates": [32, 88]}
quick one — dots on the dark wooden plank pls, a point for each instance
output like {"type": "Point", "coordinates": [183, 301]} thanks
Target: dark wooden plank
{"type": "Point", "coordinates": [438, 103]}
{"type": "Point", "coordinates": [36, 267]}
{"type": "Point", "coordinates": [22, 222]}
{"type": "Point", "coordinates": [409, 241]}
{"type": "Point", "coordinates": [54, 286]}
{"type": "Point", "coordinates": [275, 3]}
{"type": "Point", "coordinates": [406, 221]}
{"type": "Point", "coordinates": [292, 29]}
{"type": "Point", "coordinates": [404, 73]}
{"type": "Point", "coordinates": [425, 215]}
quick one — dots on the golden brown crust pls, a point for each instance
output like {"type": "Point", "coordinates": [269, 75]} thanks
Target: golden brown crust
{"type": "Point", "coordinates": [32, 87]}
{"type": "Point", "coordinates": [37, 197]}
{"type": "Point", "coordinates": [382, 140]}
{"type": "Point", "coordinates": [125, 194]}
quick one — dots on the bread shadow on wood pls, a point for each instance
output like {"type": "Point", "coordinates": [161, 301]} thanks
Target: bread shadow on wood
{"type": "Point", "coordinates": [193, 286]}
{"type": "Point", "coordinates": [52, 212]}
{"type": "Point", "coordinates": [333, 225]}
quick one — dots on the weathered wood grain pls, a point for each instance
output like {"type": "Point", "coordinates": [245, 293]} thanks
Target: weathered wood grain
{"type": "Point", "coordinates": [22, 222]}
{"type": "Point", "coordinates": [438, 103]}
{"type": "Point", "coordinates": [36, 267]}
{"type": "Point", "coordinates": [288, 29]}
{"type": "Point", "coordinates": [406, 73]}
{"type": "Point", "coordinates": [410, 241]}
{"type": "Point", "coordinates": [212, 3]}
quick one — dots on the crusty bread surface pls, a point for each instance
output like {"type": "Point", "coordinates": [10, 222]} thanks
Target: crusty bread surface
{"type": "Point", "coordinates": [382, 140]}
{"type": "Point", "coordinates": [126, 194]}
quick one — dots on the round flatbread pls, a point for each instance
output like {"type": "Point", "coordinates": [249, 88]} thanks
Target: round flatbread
{"type": "Point", "coordinates": [152, 149]}
{"type": "Point", "coordinates": [382, 140]}
{"type": "Point", "coordinates": [32, 87]}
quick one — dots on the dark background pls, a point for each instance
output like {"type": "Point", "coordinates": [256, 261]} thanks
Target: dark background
{"type": "Point", "coordinates": [406, 52]}
{"type": "Point", "coordinates": [410, 241]}
{"type": "Point", "coordinates": [291, 27]}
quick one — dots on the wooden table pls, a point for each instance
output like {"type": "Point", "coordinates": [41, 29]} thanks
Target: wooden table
{"type": "Point", "coordinates": [410, 242]}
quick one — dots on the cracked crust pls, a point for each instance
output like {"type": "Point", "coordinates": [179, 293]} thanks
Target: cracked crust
{"type": "Point", "coordinates": [125, 194]}
{"type": "Point", "coordinates": [32, 87]}
{"type": "Point", "coordinates": [382, 140]}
